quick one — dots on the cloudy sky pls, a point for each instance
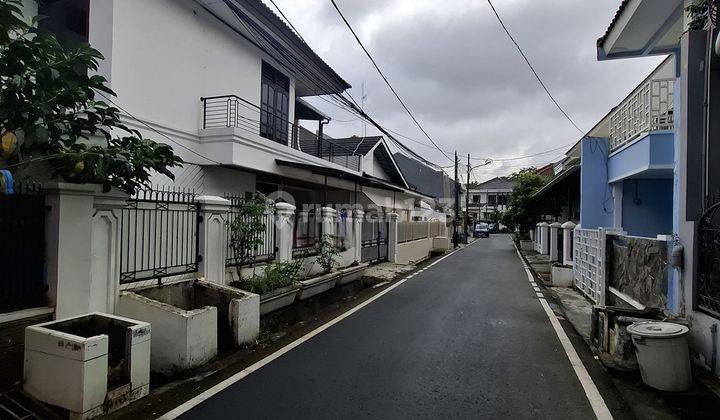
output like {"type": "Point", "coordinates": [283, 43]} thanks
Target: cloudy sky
{"type": "Point", "coordinates": [458, 72]}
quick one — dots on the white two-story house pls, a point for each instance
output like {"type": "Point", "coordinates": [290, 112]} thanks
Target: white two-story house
{"type": "Point", "coordinates": [223, 82]}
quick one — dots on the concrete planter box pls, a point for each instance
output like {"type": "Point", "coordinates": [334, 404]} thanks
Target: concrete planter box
{"type": "Point", "coordinates": [317, 285]}
{"type": "Point", "coordinates": [562, 275]}
{"type": "Point", "coordinates": [89, 364]}
{"type": "Point", "coordinates": [279, 298]}
{"type": "Point", "coordinates": [350, 274]}
{"type": "Point", "coordinates": [192, 319]}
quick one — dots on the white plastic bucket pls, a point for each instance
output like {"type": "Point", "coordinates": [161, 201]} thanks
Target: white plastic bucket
{"type": "Point", "coordinates": [662, 353]}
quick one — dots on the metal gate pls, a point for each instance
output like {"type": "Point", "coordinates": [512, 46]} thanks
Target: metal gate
{"type": "Point", "coordinates": [22, 229]}
{"type": "Point", "coordinates": [374, 240]}
{"type": "Point", "coordinates": [707, 287]}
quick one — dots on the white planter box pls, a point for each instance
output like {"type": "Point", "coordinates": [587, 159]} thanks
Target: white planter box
{"type": "Point", "coordinates": [191, 319]}
{"type": "Point", "coordinates": [75, 363]}
{"type": "Point", "coordinates": [350, 274]}
{"type": "Point", "coordinates": [562, 276]}
{"type": "Point", "coordinates": [317, 285]}
{"type": "Point", "coordinates": [278, 299]}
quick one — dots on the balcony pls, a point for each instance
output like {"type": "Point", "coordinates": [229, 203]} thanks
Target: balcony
{"type": "Point", "coordinates": [648, 109]}
{"type": "Point", "coordinates": [249, 121]}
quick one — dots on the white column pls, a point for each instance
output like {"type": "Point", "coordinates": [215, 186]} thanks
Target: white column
{"type": "Point", "coordinates": [284, 230]}
{"type": "Point", "coordinates": [567, 257]}
{"type": "Point", "coordinates": [544, 243]}
{"type": "Point", "coordinates": [212, 235]}
{"type": "Point", "coordinates": [554, 231]}
{"type": "Point", "coordinates": [358, 217]}
{"type": "Point", "coordinates": [328, 219]}
{"type": "Point", "coordinates": [392, 236]}
{"type": "Point", "coordinates": [106, 243]}
{"type": "Point", "coordinates": [538, 238]}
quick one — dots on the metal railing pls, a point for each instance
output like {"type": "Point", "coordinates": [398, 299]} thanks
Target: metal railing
{"type": "Point", "coordinates": [307, 233]}
{"type": "Point", "coordinates": [650, 108]}
{"type": "Point", "coordinates": [413, 231]}
{"type": "Point", "coordinates": [234, 111]}
{"type": "Point", "coordinates": [263, 252]}
{"type": "Point", "coordinates": [158, 235]}
{"type": "Point", "coordinates": [374, 240]}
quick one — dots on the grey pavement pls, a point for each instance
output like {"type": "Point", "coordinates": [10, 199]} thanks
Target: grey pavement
{"type": "Point", "coordinates": [466, 338]}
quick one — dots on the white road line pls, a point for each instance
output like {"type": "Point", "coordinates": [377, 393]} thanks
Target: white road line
{"type": "Point", "coordinates": [537, 289]}
{"type": "Point", "coordinates": [198, 399]}
{"type": "Point", "coordinates": [591, 392]}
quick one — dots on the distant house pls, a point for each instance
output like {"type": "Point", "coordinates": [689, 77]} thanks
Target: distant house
{"type": "Point", "coordinates": [490, 196]}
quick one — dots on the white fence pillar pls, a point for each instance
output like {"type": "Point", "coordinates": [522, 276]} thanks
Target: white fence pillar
{"type": "Point", "coordinates": [358, 218]}
{"type": "Point", "coordinates": [105, 260]}
{"type": "Point", "coordinates": [538, 238]}
{"type": "Point", "coordinates": [544, 238]}
{"type": "Point", "coordinates": [554, 231]}
{"type": "Point", "coordinates": [284, 230]}
{"type": "Point", "coordinates": [392, 236]}
{"type": "Point", "coordinates": [567, 256]}
{"type": "Point", "coordinates": [212, 235]}
{"type": "Point", "coordinates": [328, 219]}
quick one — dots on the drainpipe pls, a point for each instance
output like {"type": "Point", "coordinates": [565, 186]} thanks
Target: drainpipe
{"type": "Point", "coordinates": [320, 135]}
{"type": "Point", "coordinates": [713, 333]}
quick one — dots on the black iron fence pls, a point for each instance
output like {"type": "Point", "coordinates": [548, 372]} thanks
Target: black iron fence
{"type": "Point", "coordinates": [307, 232]}
{"type": "Point", "coordinates": [707, 286]}
{"type": "Point", "coordinates": [234, 111]}
{"type": "Point", "coordinates": [159, 235]}
{"type": "Point", "coordinates": [374, 240]}
{"type": "Point", "coordinates": [22, 231]}
{"type": "Point", "coordinates": [264, 251]}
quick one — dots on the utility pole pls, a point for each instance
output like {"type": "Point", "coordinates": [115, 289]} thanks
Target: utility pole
{"type": "Point", "coordinates": [456, 239]}
{"type": "Point", "coordinates": [467, 200]}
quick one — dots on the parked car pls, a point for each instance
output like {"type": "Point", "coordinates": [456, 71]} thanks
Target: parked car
{"type": "Point", "coordinates": [482, 230]}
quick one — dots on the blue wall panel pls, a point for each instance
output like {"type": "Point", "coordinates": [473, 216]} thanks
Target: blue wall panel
{"type": "Point", "coordinates": [596, 200]}
{"type": "Point", "coordinates": [647, 207]}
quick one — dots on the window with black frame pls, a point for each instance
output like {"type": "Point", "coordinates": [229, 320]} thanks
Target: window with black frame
{"type": "Point", "coordinates": [274, 104]}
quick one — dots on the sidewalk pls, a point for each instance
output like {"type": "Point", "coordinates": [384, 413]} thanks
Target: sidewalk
{"type": "Point", "coordinates": [699, 402]}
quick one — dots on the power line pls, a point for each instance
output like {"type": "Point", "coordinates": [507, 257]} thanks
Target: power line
{"type": "Point", "coordinates": [537, 76]}
{"type": "Point", "coordinates": [387, 82]}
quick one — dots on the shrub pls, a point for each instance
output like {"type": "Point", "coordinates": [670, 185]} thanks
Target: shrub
{"type": "Point", "coordinates": [276, 276]}
{"type": "Point", "coordinates": [327, 252]}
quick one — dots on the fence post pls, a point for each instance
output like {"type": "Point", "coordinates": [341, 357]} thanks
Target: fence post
{"type": "Point", "coordinates": [328, 219]}
{"type": "Point", "coordinates": [544, 245]}
{"type": "Point", "coordinates": [538, 238]}
{"type": "Point", "coordinates": [358, 217]}
{"type": "Point", "coordinates": [68, 245]}
{"type": "Point", "coordinates": [392, 236]}
{"type": "Point", "coordinates": [212, 237]}
{"type": "Point", "coordinates": [568, 228]}
{"type": "Point", "coordinates": [554, 230]}
{"type": "Point", "coordinates": [106, 243]}
{"type": "Point", "coordinates": [601, 269]}
{"type": "Point", "coordinates": [284, 231]}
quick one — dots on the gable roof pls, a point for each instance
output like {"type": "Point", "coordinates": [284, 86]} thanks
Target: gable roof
{"type": "Point", "coordinates": [497, 183]}
{"type": "Point", "coordinates": [423, 178]}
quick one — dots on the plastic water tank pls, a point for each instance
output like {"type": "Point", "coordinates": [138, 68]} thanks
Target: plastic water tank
{"type": "Point", "coordinates": [662, 354]}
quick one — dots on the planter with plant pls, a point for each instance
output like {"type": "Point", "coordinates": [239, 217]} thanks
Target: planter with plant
{"type": "Point", "coordinates": [277, 285]}
{"type": "Point", "coordinates": [326, 258]}
{"type": "Point", "coordinates": [246, 226]}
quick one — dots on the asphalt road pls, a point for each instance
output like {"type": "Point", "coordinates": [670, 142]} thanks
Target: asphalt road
{"type": "Point", "coordinates": [466, 338]}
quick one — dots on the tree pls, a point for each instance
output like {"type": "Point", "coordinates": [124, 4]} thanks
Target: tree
{"type": "Point", "coordinates": [246, 228]}
{"type": "Point", "coordinates": [51, 121]}
{"type": "Point", "coordinates": [521, 213]}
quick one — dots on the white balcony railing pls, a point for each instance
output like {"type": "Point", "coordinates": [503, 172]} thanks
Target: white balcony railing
{"type": "Point", "coordinates": [648, 109]}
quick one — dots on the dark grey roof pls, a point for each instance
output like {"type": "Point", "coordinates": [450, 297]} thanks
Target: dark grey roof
{"type": "Point", "coordinates": [497, 183]}
{"type": "Point", "coordinates": [279, 27]}
{"type": "Point", "coordinates": [424, 179]}
{"type": "Point", "coordinates": [619, 12]}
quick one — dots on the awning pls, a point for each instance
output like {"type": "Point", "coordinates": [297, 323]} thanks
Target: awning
{"type": "Point", "coordinates": [365, 180]}
{"type": "Point", "coordinates": [642, 28]}
{"type": "Point", "coordinates": [305, 111]}
{"type": "Point", "coordinates": [558, 179]}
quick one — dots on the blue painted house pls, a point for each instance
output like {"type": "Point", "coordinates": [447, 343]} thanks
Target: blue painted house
{"type": "Point", "coordinates": [626, 179]}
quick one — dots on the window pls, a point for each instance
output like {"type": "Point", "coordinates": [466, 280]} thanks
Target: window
{"type": "Point", "coordinates": [492, 200]}
{"type": "Point", "coordinates": [274, 104]}
{"type": "Point", "coordinates": [476, 198]}
{"type": "Point", "coordinates": [503, 199]}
